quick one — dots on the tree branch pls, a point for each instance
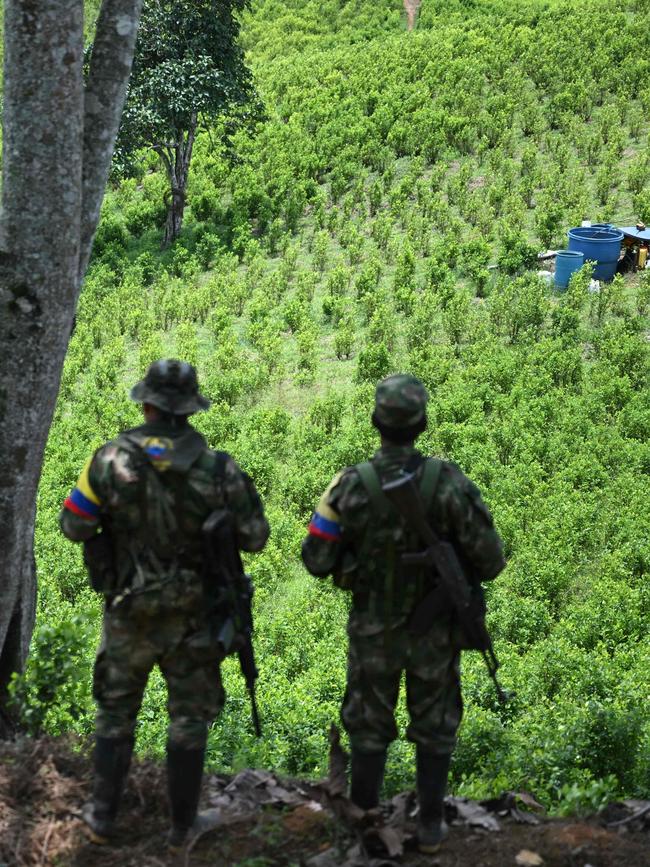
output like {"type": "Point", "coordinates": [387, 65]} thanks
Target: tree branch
{"type": "Point", "coordinates": [191, 136]}
{"type": "Point", "coordinates": [163, 152]}
{"type": "Point", "coordinates": [110, 68]}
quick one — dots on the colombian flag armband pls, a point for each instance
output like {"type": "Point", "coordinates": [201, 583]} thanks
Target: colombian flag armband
{"type": "Point", "coordinates": [83, 501]}
{"type": "Point", "coordinates": [325, 522]}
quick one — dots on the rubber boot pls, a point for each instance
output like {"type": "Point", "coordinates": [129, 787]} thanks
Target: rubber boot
{"type": "Point", "coordinates": [432, 772]}
{"type": "Point", "coordinates": [367, 775]}
{"type": "Point", "coordinates": [112, 760]}
{"type": "Point", "coordinates": [184, 775]}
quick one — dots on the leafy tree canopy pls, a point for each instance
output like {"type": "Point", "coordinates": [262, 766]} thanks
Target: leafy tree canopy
{"type": "Point", "coordinates": [189, 69]}
{"type": "Point", "coordinates": [188, 62]}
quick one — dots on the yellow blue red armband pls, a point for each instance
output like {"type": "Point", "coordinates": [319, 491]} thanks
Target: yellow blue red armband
{"type": "Point", "coordinates": [325, 522]}
{"type": "Point", "coordinates": [324, 527]}
{"type": "Point", "coordinates": [83, 501]}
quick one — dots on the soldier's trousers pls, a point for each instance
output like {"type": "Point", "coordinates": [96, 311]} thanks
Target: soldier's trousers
{"type": "Point", "coordinates": [376, 660]}
{"type": "Point", "coordinates": [134, 640]}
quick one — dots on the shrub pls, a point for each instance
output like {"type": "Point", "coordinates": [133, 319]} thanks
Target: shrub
{"type": "Point", "coordinates": [373, 364]}
{"type": "Point", "coordinates": [208, 248]}
{"type": "Point", "coordinates": [54, 693]}
{"type": "Point", "coordinates": [112, 231]}
{"type": "Point", "coordinates": [344, 337]}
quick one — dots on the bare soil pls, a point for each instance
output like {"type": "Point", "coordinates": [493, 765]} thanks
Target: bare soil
{"type": "Point", "coordinates": [268, 821]}
{"type": "Point", "coordinates": [411, 7]}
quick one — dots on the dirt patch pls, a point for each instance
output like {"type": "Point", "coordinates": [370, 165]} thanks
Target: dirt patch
{"type": "Point", "coordinates": [411, 7]}
{"type": "Point", "coordinates": [549, 842]}
{"type": "Point", "coordinates": [269, 821]}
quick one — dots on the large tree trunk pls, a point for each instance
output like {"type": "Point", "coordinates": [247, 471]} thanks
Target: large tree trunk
{"type": "Point", "coordinates": [177, 163]}
{"type": "Point", "coordinates": [38, 277]}
{"type": "Point", "coordinates": [53, 181]}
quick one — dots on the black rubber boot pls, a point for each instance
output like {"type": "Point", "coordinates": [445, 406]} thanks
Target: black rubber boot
{"type": "Point", "coordinates": [432, 772]}
{"type": "Point", "coordinates": [184, 775]}
{"type": "Point", "coordinates": [112, 760]}
{"type": "Point", "coordinates": [367, 771]}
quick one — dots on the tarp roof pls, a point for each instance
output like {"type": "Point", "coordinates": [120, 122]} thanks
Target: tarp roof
{"type": "Point", "coordinates": [633, 232]}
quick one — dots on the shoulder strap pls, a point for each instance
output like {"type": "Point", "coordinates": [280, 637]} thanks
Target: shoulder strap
{"type": "Point", "coordinates": [381, 506]}
{"type": "Point", "coordinates": [429, 480]}
{"type": "Point", "coordinates": [379, 500]}
{"type": "Point", "coordinates": [370, 480]}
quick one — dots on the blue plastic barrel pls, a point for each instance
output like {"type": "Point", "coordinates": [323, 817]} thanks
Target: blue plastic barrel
{"type": "Point", "coordinates": [566, 262]}
{"type": "Point", "coordinates": [599, 245]}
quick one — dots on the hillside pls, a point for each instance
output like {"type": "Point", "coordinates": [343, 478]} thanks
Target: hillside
{"type": "Point", "coordinates": [355, 235]}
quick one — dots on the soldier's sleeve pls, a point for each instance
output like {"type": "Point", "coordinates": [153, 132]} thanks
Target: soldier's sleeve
{"type": "Point", "coordinates": [321, 547]}
{"type": "Point", "coordinates": [80, 516]}
{"type": "Point", "coordinates": [246, 506]}
{"type": "Point", "coordinates": [473, 528]}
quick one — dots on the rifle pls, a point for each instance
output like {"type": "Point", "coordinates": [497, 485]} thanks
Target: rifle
{"type": "Point", "coordinates": [99, 559]}
{"type": "Point", "coordinates": [223, 568]}
{"type": "Point", "coordinates": [453, 589]}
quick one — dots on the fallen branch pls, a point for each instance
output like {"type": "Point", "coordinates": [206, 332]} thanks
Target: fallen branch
{"type": "Point", "coordinates": [629, 819]}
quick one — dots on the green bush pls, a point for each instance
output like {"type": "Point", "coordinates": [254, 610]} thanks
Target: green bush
{"type": "Point", "coordinates": [54, 693]}
{"type": "Point", "coordinates": [373, 364]}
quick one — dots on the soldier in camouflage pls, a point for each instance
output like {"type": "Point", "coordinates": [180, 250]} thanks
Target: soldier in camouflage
{"type": "Point", "coordinates": [149, 492]}
{"type": "Point", "coordinates": [357, 536]}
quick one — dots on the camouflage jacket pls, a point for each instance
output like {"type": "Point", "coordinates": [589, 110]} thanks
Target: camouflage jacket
{"type": "Point", "coordinates": [348, 539]}
{"type": "Point", "coordinates": [153, 488]}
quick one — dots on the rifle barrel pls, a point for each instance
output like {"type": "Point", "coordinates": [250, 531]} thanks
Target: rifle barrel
{"type": "Point", "coordinates": [254, 713]}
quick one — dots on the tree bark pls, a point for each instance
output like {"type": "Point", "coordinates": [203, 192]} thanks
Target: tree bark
{"type": "Point", "coordinates": [53, 181]}
{"type": "Point", "coordinates": [177, 162]}
{"type": "Point", "coordinates": [110, 68]}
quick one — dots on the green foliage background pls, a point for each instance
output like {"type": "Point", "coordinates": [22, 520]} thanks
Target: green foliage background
{"type": "Point", "coordinates": [352, 238]}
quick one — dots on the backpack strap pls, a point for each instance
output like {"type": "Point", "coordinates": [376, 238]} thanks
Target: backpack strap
{"type": "Point", "coordinates": [382, 507]}
{"type": "Point", "coordinates": [371, 482]}
{"type": "Point", "coordinates": [429, 480]}
{"type": "Point", "coordinates": [378, 499]}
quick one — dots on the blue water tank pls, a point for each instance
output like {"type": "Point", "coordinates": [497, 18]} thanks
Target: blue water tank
{"type": "Point", "coordinates": [566, 262]}
{"type": "Point", "coordinates": [599, 245]}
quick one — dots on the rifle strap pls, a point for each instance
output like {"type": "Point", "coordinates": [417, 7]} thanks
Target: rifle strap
{"type": "Point", "coordinates": [380, 504]}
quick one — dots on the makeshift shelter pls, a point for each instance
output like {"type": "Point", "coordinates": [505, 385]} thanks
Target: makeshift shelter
{"type": "Point", "coordinates": [636, 240]}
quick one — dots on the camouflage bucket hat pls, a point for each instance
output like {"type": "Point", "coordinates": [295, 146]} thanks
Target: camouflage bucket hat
{"type": "Point", "coordinates": [171, 386]}
{"type": "Point", "coordinates": [400, 401]}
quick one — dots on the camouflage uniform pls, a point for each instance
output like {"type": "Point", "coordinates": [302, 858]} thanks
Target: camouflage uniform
{"type": "Point", "coordinates": [161, 616]}
{"type": "Point", "coordinates": [152, 489]}
{"type": "Point", "coordinates": [359, 539]}
{"type": "Point", "coordinates": [380, 644]}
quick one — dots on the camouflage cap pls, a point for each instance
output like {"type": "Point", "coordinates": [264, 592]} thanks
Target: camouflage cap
{"type": "Point", "coordinates": [171, 386]}
{"type": "Point", "coordinates": [400, 401]}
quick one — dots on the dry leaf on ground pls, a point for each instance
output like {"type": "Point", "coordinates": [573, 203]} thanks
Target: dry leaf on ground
{"type": "Point", "coordinates": [526, 858]}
